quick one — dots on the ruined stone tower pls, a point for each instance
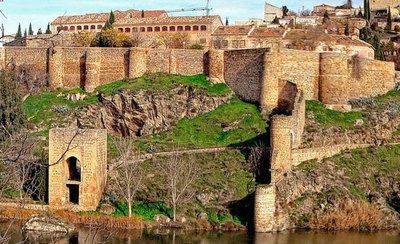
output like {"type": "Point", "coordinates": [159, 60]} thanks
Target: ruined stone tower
{"type": "Point", "coordinates": [77, 168]}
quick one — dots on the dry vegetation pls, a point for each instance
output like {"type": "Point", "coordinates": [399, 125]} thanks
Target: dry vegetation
{"type": "Point", "coordinates": [358, 216]}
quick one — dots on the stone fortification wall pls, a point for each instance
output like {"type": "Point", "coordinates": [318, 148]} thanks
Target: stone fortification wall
{"type": "Point", "coordinates": [320, 153]}
{"type": "Point", "coordinates": [243, 72]}
{"type": "Point", "coordinates": [88, 68]}
{"type": "Point", "coordinates": [343, 78]}
{"type": "Point", "coordinates": [37, 58]}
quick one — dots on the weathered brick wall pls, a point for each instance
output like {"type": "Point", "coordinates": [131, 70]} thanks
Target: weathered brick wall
{"type": "Point", "coordinates": [264, 208]}
{"type": "Point", "coordinates": [243, 72]}
{"type": "Point", "coordinates": [215, 61]}
{"type": "Point", "coordinates": [90, 148]}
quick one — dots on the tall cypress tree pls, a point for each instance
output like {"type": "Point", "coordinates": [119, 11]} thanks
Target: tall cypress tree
{"type": "Point", "coordinates": [19, 32]}
{"type": "Point", "coordinates": [25, 33]}
{"type": "Point", "coordinates": [389, 20]}
{"type": "Point", "coordinates": [30, 31]}
{"type": "Point", "coordinates": [48, 31]}
{"type": "Point", "coordinates": [112, 18]}
{"type": "Point", "coordinates": [376, 43]}
{"type": "Point", "coordinates": [39, 32]}
{"type": "Point", "coordinates": [367, 12]}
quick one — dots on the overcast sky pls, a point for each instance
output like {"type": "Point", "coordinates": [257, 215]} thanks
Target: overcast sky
{"type": "Point", "coordinates": [40, 12]}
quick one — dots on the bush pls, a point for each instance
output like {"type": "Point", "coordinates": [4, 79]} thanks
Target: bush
{"type": "Point", "coordinates": [358, 216]}
{"type": "Point", "coordinates": [145, 210]}
{"type": "Point", "coordinates": [112, 38]}
{"type": "Point", "coordinates": [196, 46]}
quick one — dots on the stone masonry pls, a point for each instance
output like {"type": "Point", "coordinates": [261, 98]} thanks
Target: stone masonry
{"type": "Point", "coordinates": [77, 168]}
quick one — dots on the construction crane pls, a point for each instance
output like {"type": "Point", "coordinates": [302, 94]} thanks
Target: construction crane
{"type": "Point", "coordinates": [207, 9]}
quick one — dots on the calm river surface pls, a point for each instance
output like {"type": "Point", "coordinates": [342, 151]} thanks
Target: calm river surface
{"type": "Point", "coordinates": [85, 235]}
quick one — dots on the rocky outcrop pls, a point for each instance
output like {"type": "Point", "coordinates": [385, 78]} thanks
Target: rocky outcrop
{"type": "Point", "coordinates": [143, 113]}
{"type": "Point", "coordinates": [48, 224]}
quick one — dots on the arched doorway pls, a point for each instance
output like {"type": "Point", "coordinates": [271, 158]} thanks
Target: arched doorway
{"type": "Point", "coordinates": [74, 169]}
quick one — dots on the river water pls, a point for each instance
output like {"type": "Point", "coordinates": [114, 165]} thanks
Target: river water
{"type": "Point", "coordinates": [85, 235]}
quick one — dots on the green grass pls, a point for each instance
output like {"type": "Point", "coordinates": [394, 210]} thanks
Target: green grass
{"type": "Point", "coordinates": [328, 117]}
{"type": "Point", "coordinates": [39, 108]}
{"type": "Point", "coordinates": [158, 82]}
{"type": "Point", "coordinates": [233, 123]}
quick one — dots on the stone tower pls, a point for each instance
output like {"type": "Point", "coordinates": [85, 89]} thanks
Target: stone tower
{"type": "Point", "coordinates": [77, 168]}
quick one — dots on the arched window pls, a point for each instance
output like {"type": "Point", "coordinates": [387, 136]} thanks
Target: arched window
{"type": "Point", "coordinates": [72, 28]}
{"type": "Point", "coordinates": [86, 27]}
{"type": "Point", "coordinates": [93, 27]}
{"type": "Point", "coordinates": [165, 28]}
{"type": "Point", "coordinates": [121, 29]}
{"type": "Point", "coordinates": [65, 28]}
{"type": "Point", "coordinates": [127, 29]}
{"type": "Point", "coordinates": [99, 27]}
{"type": "Point", "coordinates": [180, 28]}
{"type": "Point", "coordinates": [157, 29]}
{"type": "Point", "coordinates": [203, 28]}
{"type": "Point", "coordinates": [149, 29]}
{"type": "Point", "coordinates": [74, 169]}
{"type": "Point", "coordinates": [188, 28]}
{"type": "Point", "coordinates": [172, 28]}
{"type": "Point", "coordinates": [79, 27]}
{"type": "Point", "coordinates": [196, 28]}
{"type": "Point", "coordinates": [142, 29]}
{"type": "Point", "coordinates": [59, 28]}
{"type": "Point", "coordinates": [134, 29]}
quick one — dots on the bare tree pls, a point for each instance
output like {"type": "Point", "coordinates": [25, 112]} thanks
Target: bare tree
{"type": "Point", "coordinates": [179, 174]}
{"type": "Point", "coordinates": [126, 171]}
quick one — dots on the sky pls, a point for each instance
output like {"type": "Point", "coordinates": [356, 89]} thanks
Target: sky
{"type": "Point", "coordinates": [41, 12]}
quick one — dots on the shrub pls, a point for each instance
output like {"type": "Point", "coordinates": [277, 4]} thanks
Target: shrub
{"type": "Point", "coordinates": [112, 38]}
{"type": "Point", "coordinates": [196, 46]}
{"type": "Point", "coordinates": [358, 216]}
{"type": "Point", "coordinates": [145, 210]}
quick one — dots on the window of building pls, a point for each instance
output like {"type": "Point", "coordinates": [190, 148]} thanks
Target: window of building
{"type": "Point", "coordinates": [203, 28]}
{"type": "Point", "coordinates": [203, 41]}
{"type": "Point", "coordinates": [224, 43]}
{"type": "Point", "coordinates": [86, 27]}
{"type": "Point", "coordinates": [74, 169]}
{"type": "Point", "coordinates": [172, 28]}
{"type": "Point", "coordinates": [149, 29]}
{"type": "Point", "coordinates": [99, 27]}
{"type": "Point", "coordinates": [188, 28]}
{"type": "Point", "coordinates": [128, 30]}
{"type": "Point", "coordinates": [65, 28]}
{"type": "Point", "coordinates": [196, 28]}
{"type": "Point", "coordinates": [217, 44]}
{"type": "Point", "coordinates": [121, 30]}
{"type": "Point", "coordinates": [180, 28]}
{"type": "Point", "coordinates": [79, 27]}
{"type": "Point", "coordinates": [165, 28]}
{"type": "Point", "coordinates": [235, 44]}
{"type": "Point", "coordinates": [134, 29]}
{"type": "Point", "coordinates": [142, 29]}
{"type": "Point", "coordinates": [72, 28]}
{"type": "Point", "coordinates": [242, 44]}
{"type": "Point", "coordinates": [157, 29]}
{"type": "Point", "coordinates": [59, 28]}
{"type": "Point", "coordinates": [93, 27]}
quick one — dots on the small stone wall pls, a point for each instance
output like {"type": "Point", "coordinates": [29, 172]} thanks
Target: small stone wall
{"type": "Point", "coordinates": [264, 209]}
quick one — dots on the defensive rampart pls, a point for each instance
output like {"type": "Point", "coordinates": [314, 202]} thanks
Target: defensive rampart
{"type": "Point", "coordinates": [90, 67]}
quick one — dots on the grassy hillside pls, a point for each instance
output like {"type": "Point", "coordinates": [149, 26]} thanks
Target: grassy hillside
{"type": "Point", "coordinates": [235, 123]}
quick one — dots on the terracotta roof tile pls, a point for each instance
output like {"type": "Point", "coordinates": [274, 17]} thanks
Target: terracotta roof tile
{"type": "Point", "coordinates": [103, 17]}
{"type": "Point", "coordinates": [233, 30]}
{"type": "Point", "coordinates": [267, 32]}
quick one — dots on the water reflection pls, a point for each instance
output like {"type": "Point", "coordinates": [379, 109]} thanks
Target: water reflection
{"type": "Point", "coordinates": [87, 235]}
